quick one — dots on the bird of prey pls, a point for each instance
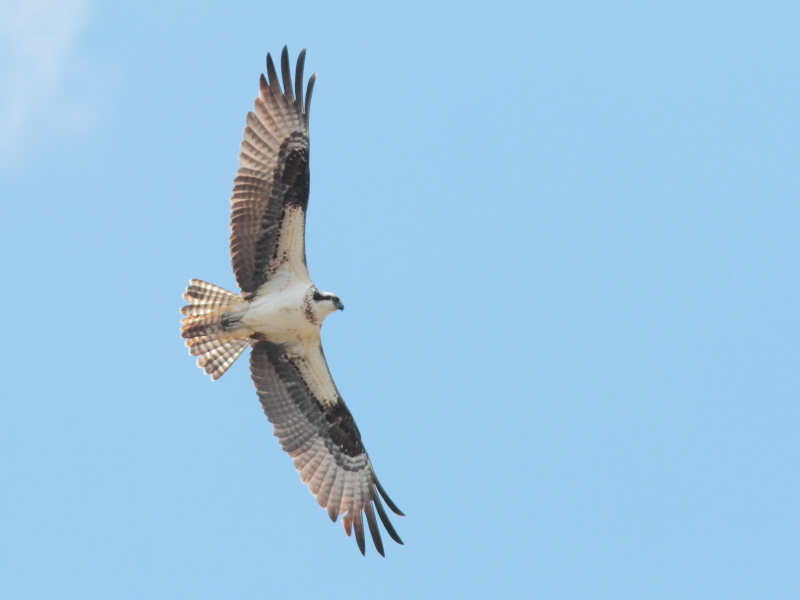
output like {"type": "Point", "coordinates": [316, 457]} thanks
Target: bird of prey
{"type": "Point", "coordinates": [279, 311]}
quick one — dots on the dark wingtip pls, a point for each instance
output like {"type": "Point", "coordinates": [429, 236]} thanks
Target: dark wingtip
{"type": "Point", "coordinates": [309, 89]}
{"type": "Point", "coordinates": [388, 500]}
{"type": "Point", "coordinates": [273, 75]}
{"type": "Point", "coordinates": [298, 77]}
{"type": "Point", "coordinates": [286, 73]}
{"type": "Point", "coordinates": [358, 525]}
{"type": "Point", "coordinates": [386, 522]}
{"type": "Point", "coordinates": [373, 528]}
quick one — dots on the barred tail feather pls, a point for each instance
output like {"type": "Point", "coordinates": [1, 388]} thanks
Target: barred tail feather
{"type": "Point", "coordinates": [202, 328]}
{"type": "Point", "coordinates": [204, 298]}
{"type": "Point", "coordinates": [217, 360]}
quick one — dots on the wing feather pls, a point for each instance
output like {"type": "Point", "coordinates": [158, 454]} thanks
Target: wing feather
{"type": "Point", "coordinates": [315, 427]}
{"type": "Point", "coordinates": [286, 74]}
{"type": "Point", "coordinates": [311, 467]}
{"type": "Point", "coordinates": [270, 191]}
{"type": "Point", "coordinates": [373, 529]}
{"type": "Point", "coordinates": [325, 490]}
{"type": "Point", "coordinates": [315, 483]}
{"type": "Point", "coordinates": [309, 89]}
{"type": "Point", "coordinates": [334, 499]}
{"type": "Point", "coordinates": [386, 522]}
{"type": "Point", "coordinates": [298, 76]}
{"type": "Point", "coordinates": [273, 75]}
{"type": "Point", "coordinates": [358, 525]}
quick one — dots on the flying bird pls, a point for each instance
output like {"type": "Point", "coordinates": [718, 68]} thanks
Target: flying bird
{"type": "Point", "coordinates": [279, 311]}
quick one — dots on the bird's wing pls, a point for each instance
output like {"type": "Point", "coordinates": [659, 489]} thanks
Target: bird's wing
{"type": "Point", "coordinates": [317, 430]}
{"type": "Point", "coordinates": [270, 192]}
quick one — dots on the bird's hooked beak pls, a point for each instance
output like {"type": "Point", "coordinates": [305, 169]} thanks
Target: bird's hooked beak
{"type": "Point", "coordinates": [339, 305]}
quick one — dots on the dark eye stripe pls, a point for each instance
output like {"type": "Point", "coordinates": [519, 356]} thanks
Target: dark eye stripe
{"type": "Point", "coordinates": [319, 297]}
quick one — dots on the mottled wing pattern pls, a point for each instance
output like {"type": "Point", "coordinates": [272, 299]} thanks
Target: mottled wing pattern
{"type": "Point", "coordinates": [272, 181]}
{"type": "Point", "coordinates": [322, 438]}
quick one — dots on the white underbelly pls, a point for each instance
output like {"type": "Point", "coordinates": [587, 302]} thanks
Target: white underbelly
{"type": "Point", "coordinates": [281, 317]}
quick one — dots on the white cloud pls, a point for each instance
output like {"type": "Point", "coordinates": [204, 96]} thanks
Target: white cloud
{"type": "Point", "coordinates": [39, 62]}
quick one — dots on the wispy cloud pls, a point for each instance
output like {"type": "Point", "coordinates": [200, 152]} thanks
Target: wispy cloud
{"type": "Point", "coordinates": [39, 59]}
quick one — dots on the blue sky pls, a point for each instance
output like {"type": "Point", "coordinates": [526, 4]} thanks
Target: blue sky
{"type": "Point", "coordinates": [567, 236]}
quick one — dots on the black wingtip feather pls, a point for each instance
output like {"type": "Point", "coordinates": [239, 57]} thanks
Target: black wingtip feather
{"type": "Point", "coordinates": [309, 89]}
{"type": "Point", "coordinates": [298, 77]}
{"type": "Point", "coordinates": [389, 502]}
{"type": "Point", "coordinates": [286, 73]}
{"type": "Point", "coordinates": [275, 87]}
{"type": "Point", "coordinates": [386, 522]}
{"type": "Point", "coordinates": [358, 525]}
{"type": "Point", "coordinates": [373, 528]}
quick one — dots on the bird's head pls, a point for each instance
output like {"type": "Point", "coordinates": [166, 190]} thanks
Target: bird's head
{"type": "Point", "coordinates": [324, 303]}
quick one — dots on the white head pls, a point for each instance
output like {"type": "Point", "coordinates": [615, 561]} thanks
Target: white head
{"type": "Point", "coordinates": [321, 304]}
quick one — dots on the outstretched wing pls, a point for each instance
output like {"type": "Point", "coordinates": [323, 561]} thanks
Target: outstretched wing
{"type": "Point", "coordinates": [270, 192]}
{"type": "Point", "coordinates": [317, 430]}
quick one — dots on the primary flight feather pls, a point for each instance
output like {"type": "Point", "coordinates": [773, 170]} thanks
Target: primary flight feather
{"type": "Point", "coordinates": [279, 312]}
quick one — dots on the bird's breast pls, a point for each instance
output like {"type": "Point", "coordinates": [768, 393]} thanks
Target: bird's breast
{"type": "Point", "coordinates": [281, 316]}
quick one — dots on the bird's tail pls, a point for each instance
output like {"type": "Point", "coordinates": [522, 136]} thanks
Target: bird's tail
{"type": "Point", "coordinates": [215, 347]}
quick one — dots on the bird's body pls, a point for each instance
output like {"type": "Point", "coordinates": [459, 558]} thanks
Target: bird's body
{"type": "Point", "coordinates": [281, 315]}
{"type": "Point", "coordinates": [279, 312]}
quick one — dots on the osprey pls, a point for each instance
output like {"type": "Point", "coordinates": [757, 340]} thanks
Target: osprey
{"type": "Point", "coordinates": [279, 312]}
